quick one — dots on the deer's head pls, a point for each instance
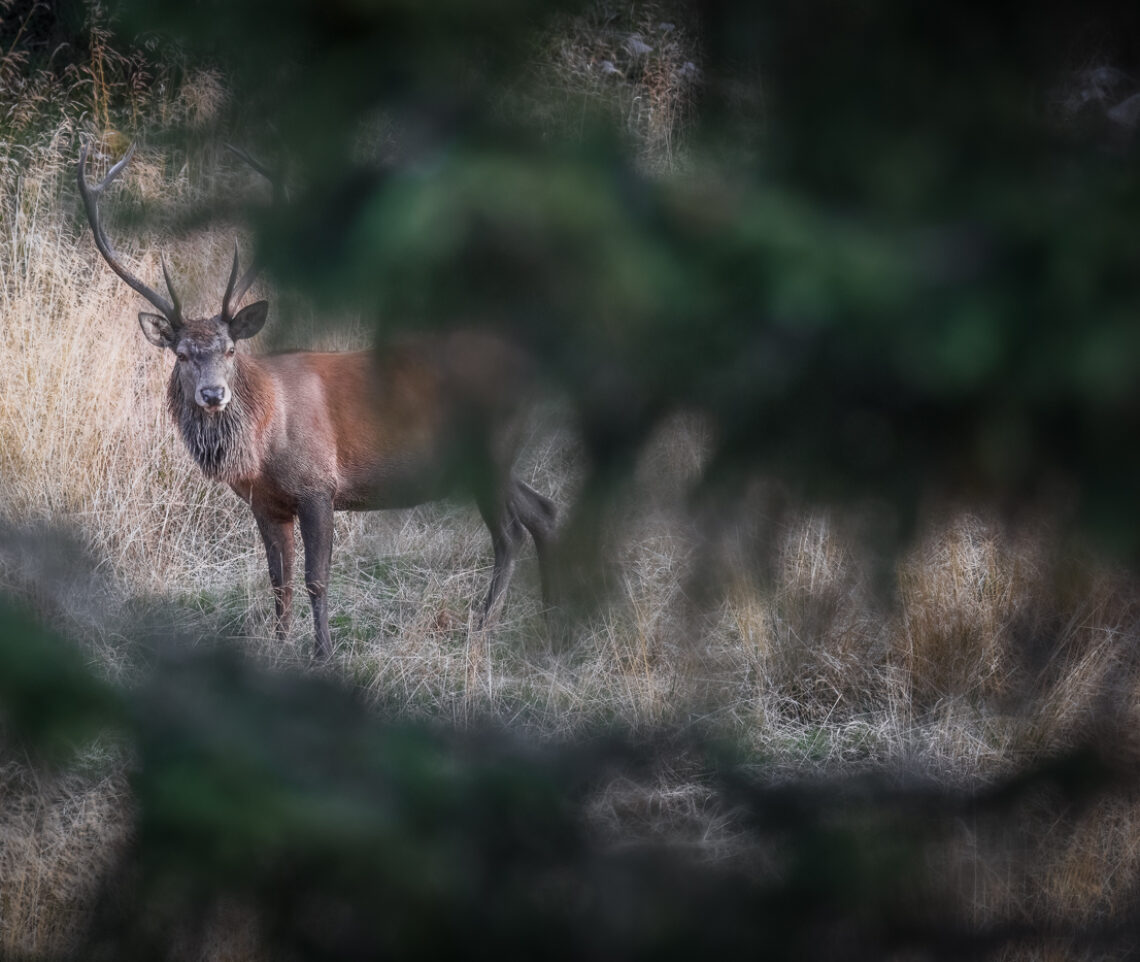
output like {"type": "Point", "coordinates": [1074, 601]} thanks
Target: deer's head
{"type": "Point", "coordinates": [204, 348]}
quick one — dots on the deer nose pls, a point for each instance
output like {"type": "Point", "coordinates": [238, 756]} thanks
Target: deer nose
{"type": "Point", "coordinates": [212, 396]}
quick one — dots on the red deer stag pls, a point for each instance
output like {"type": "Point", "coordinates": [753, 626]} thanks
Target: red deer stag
{"type": "Point", "coordinates": [299, 435]}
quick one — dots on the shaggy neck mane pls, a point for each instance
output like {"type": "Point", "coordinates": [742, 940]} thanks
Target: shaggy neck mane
{"type": "Point", "coordinates": [229, 446]}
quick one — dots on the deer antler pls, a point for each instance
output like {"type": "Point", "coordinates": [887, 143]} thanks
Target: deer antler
{"type": "Point", "coordinates": [172, 309]}
{"type": "Point", "coordinates": [258, 166]}
{"type": "Point", "coordinates": [236, 289]}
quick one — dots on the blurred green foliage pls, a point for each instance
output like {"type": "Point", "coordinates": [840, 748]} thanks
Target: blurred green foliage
{"type": "Point", "coordinates": [349, 835]}
{"type": "Point", "coordinates": [911, 274]}
{"type": "Point", "coordinates": [49, 699]}
{"type": "Point", "coordinates": [913, 277]}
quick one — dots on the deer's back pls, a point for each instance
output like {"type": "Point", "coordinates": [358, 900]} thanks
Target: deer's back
{"type": "Point", "coordinates": [395, 427]}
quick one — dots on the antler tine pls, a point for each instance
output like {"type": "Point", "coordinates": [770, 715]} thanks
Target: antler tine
{"type": "Point", "coordinates": [170, 287]}
{"type": "Point", "coordinates": [252, 161]}
{"type": "Point", "coordinates": [235, 289]}
{"type": "Point", "coordinates": [228, 301]}
{"type": "Point", "coordinates": [90, 195]}
{"type": "Point", "coordinates": [275, 181]}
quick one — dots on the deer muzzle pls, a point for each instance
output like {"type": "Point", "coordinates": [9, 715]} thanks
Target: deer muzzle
{"type": "Point", "coordinates": [213, 398]}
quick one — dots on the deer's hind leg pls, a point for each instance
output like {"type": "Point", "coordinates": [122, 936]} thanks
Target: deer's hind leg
{"type": "Point", "coordinates": [507, 535]}
{"type": "Point", "coordinates": [539, 516]}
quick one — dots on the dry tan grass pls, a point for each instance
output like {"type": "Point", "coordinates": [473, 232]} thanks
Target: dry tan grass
{"type": "Point", "coordinates": [961, 592]}
{"type": "Point", "coordinates": [58, 835]}
{"type": "Point", "coordinates": [636, 64]}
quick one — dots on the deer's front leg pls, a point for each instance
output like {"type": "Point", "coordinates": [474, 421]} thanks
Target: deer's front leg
{"type": "Point", "coordinates": [315, 513]}
{"type": "Point", "coordinates": [277, 536]}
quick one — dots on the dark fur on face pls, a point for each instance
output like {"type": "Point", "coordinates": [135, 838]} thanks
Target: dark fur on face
{"type": "Point", "coordinates": [228, 445]}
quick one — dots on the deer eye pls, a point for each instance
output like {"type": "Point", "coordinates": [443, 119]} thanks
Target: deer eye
{"type": "Point", "coordinates": [230, 351]}
{"type": "Point", "coordinates": [181, 355]}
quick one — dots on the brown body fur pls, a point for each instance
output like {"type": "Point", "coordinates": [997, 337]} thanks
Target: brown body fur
{"type": "Point", "coordinates": [309, 433]}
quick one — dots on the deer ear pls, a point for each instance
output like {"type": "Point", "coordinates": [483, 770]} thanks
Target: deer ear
{"type": "Point", "coordinates": [157, 328]}
{"type": "Point", "coordinates": [249, 320]}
